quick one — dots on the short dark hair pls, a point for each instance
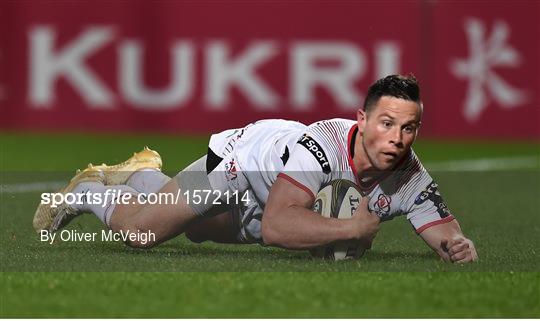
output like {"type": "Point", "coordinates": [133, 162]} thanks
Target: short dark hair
{"type": "Point", "coordinates": [404, 87]}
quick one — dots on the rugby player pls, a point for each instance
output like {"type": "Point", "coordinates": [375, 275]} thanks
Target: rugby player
{"type": "Point", "coordinates": [266, 176]}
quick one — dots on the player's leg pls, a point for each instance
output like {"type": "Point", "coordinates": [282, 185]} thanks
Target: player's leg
{"type": "Point", "coordinates": [220, 223]}
{"type": "Point", "coordinates": [221, 228]}
{"type": "Point", "coordinates": [171, 215]}
{"type": "Point", "coordinates": [201, 219]}
{"type": "Point", "coordinates": [164, 220]}
{"type": "Point", "coordinates": [105, 182]}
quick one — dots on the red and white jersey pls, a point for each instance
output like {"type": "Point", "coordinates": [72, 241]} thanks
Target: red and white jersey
{"type": "Point", "coordinates": [311, 157]}
{"type": "Point", "coordinates": [324, 152]}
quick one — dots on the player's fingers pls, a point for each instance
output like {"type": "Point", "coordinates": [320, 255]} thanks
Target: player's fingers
{"type": "Point", "coordinates": [363, 206]}
{"type": "Point", "coordinates": [460, 256]}
{"type": "Point", "coordinates": [465, 260]}
{"type": "Point", "coordinates": [445, 257]}
{"type": "Point", "coordinates": [364, 201]}
{"type": "Point", "coordinates": [364, 212]}
{"type": "Point", "coordinates": [458, 248]}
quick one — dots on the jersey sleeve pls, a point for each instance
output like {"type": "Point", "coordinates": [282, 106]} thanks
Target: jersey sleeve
{"type": "Point", "coordinates": [425, 206]}
{"type": "Point", "coordinates": [308, 166]}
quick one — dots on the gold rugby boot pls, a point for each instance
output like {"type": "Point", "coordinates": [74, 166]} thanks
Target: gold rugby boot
{"type": "Point", "coordinates": [120, 173]}
{"type": "Point", "coordinates": [54, 218]}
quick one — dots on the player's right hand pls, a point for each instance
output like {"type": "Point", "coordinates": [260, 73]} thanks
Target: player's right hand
{"type": "Point", "coordinates": [365, 223]}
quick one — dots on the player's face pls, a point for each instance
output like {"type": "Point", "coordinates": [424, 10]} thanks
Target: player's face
{"type": "Point", "coordinates": [389, 130]}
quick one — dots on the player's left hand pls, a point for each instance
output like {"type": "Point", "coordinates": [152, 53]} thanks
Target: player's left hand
{"type": "Point", "coordinates": [461, 250]}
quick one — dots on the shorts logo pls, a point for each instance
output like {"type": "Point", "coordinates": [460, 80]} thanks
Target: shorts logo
{"type": "Point", "coordinates": [382, 205]}
{"type": "Point", "coordinates": [316, 150]}
{"type": "Point", "coordinates": [230, 169]}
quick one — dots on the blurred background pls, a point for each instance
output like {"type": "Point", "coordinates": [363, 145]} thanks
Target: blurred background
{"type": "Point", "coordinates": [195, 67]}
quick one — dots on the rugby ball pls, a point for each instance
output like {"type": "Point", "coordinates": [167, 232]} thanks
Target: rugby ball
{"type": "Point", "coordinates": [339, 199]}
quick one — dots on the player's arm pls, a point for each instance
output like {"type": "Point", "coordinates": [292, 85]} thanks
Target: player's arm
{"type": "Point", "coordinates": [433, 221]}
{"type": "Point", "coordinates": [288, 221]}
{"type": "Point", "coordinates": [450, 243]}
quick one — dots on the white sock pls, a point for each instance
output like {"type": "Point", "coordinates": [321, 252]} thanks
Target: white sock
{"type": "Point", "coordinates": [108, 196]}
{"type": "Point", "coordinates": [148, 180]}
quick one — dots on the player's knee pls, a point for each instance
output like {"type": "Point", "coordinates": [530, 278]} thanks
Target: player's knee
{"type": "Point", "coordinates": [268, 234]}
{"type": "Point", "coordinates": [120, 223]}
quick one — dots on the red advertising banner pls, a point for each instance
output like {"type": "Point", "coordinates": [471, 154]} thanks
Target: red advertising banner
{"type": "Point", "coordinates": [484, 68]}
{"type": "Point", "coordinates": [205, 66]}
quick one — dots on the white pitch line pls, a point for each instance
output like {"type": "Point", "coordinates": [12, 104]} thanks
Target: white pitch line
{"type": "Point", "coordinates": [486, 164]}
{"type": "Point", "coordinates": [475, 165]}
{"type": "Point", "coordinates": [31, 187]}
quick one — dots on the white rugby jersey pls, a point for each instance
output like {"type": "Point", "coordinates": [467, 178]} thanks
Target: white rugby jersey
{"type": "Point", "coordinates": [312, 156]}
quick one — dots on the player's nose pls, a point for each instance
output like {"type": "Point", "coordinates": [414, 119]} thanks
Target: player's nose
{"type": "Point", "coordinates": [396, 137]}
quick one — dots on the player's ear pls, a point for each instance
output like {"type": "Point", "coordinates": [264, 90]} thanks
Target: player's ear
{"type": "Point", "coordinates": [361, 118]}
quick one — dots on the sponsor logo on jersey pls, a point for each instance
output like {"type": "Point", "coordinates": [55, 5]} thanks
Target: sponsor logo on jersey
{"type": "Point", "coordinates": [382, 205]}
{"type": "Point", "coordinates": [431, 192]}
{"type": "Point", "coordinates": [316, 150]}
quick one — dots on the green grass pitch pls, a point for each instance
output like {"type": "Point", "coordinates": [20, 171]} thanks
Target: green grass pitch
{"type": "Point", "coordinates": [399, 277]}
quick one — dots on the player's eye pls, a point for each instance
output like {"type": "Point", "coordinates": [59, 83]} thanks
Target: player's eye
{"type": "Point", "coordinates": [387, 123]}
{"type": "Point", "coordinates": [409, 129]}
